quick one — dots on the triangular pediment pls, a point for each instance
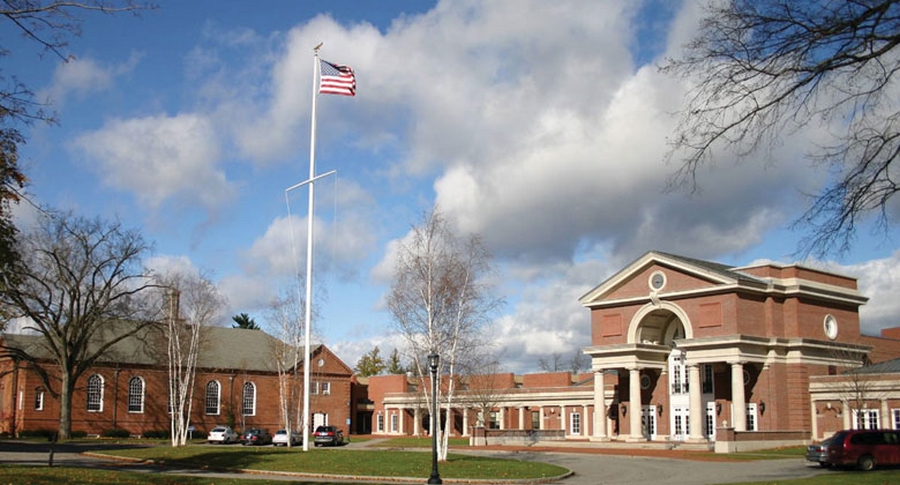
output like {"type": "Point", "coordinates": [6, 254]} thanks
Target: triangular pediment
{"type": "Point", "coordinates": [657, 273]}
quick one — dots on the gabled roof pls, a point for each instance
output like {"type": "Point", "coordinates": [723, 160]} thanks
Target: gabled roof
{"type": "Point", "coordinates": [222, 348]}
{"type": "Point", "coordinates": [707, 270]}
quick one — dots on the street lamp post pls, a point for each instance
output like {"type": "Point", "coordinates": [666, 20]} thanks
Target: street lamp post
{"type": "Point", "coordinates": [433, 361]}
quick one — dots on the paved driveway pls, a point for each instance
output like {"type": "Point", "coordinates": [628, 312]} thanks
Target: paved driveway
{"type": "Point", "coordinates": [590, 469]}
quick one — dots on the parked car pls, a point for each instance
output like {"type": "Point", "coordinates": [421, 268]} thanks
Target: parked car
{"type": "Point", "coordinates": [256, 436]}
{"type": "Point", "coordinates": [818, 453]}
{"type": "Point", "coordinates": [282, 436]}
{"type": "Point", "coordinates": [863, 448]}
{"type": "Point", "coordinates": [222, 434]}
{"type": "Point", "coordinates": [328, 435]}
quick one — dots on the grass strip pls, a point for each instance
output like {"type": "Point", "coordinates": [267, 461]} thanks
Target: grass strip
{"type": "Point", "coordinates": [373, 463]}
{"type": "Point", "coordinates": [42, 475]}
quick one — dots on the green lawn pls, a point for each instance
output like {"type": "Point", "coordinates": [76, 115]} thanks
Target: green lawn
{"type": "Point", "coordinates": [383, 463]}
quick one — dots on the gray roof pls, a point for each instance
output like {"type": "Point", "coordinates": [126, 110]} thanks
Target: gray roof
{"type": "Point", "coordinates": [222, 348]}
{"type": "Point", "coordinates": [887, 367]}
{"type": "Point", "coordinates": [719, 268]}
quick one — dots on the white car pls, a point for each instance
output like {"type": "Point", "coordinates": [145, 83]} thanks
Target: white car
{"type": "Point", "coordinates": [281, 438]}
{"type": "Point", "coordinates": [222, 434]}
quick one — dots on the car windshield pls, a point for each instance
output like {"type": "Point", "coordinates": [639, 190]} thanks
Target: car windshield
{"type": "Point", "coordinates": [218, 430]}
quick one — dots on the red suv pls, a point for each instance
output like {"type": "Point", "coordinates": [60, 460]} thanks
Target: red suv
{"type": "Point", "coordinates": [864, 448]}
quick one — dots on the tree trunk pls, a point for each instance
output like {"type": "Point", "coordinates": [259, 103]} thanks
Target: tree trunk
{"type": "Point", "coordinates": [65, 407]}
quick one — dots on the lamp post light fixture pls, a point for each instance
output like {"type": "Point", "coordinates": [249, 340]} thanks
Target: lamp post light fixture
{"type": "Point", "coordinates": [433, 361]}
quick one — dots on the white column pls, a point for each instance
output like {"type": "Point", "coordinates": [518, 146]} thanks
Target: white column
{"type": "Point", "coordinates": [738, 401]}
{"type": "Point", "coordinates": [522, 417]}
{"type": "Point", "coordinates": [884, 421]}
{"type": "Point", "coordinates": [599, 432]}
{"type": "Point", "coordinates": [465, 413]}
{"type": "Point", "coordinates": [848, 416]}
{"type": "Point", "coordinates": [541, 420]}
{"type": "Point", "coordinates": [584, 420]}
{"type": "Point", "coordinates": [502, 418]}
{"type": "Point", "coordinates": [815, 420]}
{"type": "Point", "coordinates": [695, 433]}
{"type": "Point", "coordinates": [417, 421]}
{"type": "Point", "coordinates": [401, 414]}
{"type": "Point", "coordinates": [634, 404]}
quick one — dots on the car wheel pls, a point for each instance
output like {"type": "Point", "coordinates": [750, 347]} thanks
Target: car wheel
{"type": "Point", "coordinates": [866, 463]}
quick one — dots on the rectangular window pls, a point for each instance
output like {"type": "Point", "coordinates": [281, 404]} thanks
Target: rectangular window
{"type": "Point", "coordinates": [535, 420]}
{"type": "Point", "coordinates": [865, 419]}
{"type": "Point", "coordinates": [314, 387]}
{"type": "Point", "coordinates": [751, 416]}
{"type": "Point", "coordinates": [896, 413]}
{"type": "Point", "coordinates": [494, 420]}
{"type": "Point", "coordinates": [326, 388]}
{"type": "Point", "coordinates": [575, 423]}
{"type": "Point", "coordinates": [39, 399]}
{"type": "Point", "coordinates": [380, 423]}
{"type": "Point", "coordinates": [710, 420]}
{"type": "Point", "coordinates": [707, 379]}
{"type": "Point", "coordinates": [395, 423]}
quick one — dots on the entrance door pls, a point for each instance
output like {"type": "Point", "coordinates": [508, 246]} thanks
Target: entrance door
{"type": "Point", "coordinates": [680, 423]}
{"type": "Point", "coordinates": [648, 422]}
{"type": "Point", "coordinates": [319, 419]}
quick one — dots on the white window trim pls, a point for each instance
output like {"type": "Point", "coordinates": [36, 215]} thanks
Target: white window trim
{"type": "Point", "coordinates": [326, 388]}
{"type": "Point", "coordinates": [143, 391]}
{"type": "Point", "coordinates": [39, 399]}
{"type": "Point", "coordinates": [575, 423]}
{"type": "Point", "coordinates": [218, 398]}
{"type": "Point", "coordinates": [88, 396]}
{"type": "Point", "coordinates": [244, 399]}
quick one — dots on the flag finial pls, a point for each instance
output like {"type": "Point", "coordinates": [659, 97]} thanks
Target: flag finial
{"type": "Point", "coordinates": [316, 48]}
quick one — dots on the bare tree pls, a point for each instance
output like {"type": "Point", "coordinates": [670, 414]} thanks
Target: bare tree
{"type": "Point", "coordinates": [439, 302]}
{"type": "Point", "coordinates": [764, 68]}
{"type": "Point", "coordinates": [556, 363]}
{"type": "Point", "coordinates": [82, 289]}
{"type": "Point", "coordinates": [49, 24]}
{"type": "Point", "coordinates": [193, 302]}
{"type": "Point", "coordinates": [484, 387]}
{"type": "Point", "coordinates": [286, 316]}
{"type": "Point", "coordinates": [857, 385]}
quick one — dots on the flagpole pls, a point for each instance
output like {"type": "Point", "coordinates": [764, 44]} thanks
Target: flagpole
{"type": "Point", "coordinates": [309, 250]}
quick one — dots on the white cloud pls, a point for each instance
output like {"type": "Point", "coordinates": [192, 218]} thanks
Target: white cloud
{"type": "Point", "coordinates": [878, 280]}
{"type": "Point", "coordinates": [85, 76]}
{"type": "Point", "coordinates": [158, 158]}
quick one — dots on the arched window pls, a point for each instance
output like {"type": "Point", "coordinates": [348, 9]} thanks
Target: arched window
{"type": "Point", "coordinates": [95, 393]}
{"type": "Point", "coordinates": [212, 398]}
{"type": "Point", "coordinates": [248, 399]}
{"type": "Point", "coordinates": [136, 395]}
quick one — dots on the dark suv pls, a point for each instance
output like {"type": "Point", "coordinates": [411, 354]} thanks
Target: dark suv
{"type": "Point", "coordinates": [863, 448]}
{"type": "Point", "coordinates": [328, 435]}
{"type": "Point", "coordinates": [256, 436]}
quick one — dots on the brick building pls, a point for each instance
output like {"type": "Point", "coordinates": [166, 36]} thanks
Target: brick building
{"type": "Point", "coordinates": [236, 384]}
{"type": "Point", "coordinates": [682, 351]}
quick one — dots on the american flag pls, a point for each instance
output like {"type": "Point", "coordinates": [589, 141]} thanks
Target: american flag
{"type": "Point", "coordinates": [336, 79]}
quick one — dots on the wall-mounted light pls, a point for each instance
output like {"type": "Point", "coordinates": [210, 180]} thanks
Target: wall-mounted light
{"type": "Point", "coordinates": [718, 408]}
{"type": "Point", "coordinates": [659, 410]}
{"type": "Point", "coordinates": [762, 407]}
{"type": "Point", "coordinates": [624, 410]}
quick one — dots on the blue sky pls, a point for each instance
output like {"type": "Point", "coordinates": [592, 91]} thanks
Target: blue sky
{"type": "Point", "coordinates": [539, 125]}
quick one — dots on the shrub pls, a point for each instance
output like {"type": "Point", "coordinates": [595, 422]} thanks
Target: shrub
{"type": "Point", "coordinates": [116, 433]}
{"type": "Point", "coordinates": [37, 433]}
{"type": "Point", "coordinates": [157, 434]}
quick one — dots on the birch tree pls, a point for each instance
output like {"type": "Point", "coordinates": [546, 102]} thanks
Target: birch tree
{"type": "Point", "coordinates": [286, 316]}
{"type": "Point", "coordinates": [193, 302]}
{"type": "Point", "coordinates": [440, 302]}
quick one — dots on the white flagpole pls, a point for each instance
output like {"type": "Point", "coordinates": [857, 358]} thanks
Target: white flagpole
{"type": "Point", "coordinates": [309, 249]}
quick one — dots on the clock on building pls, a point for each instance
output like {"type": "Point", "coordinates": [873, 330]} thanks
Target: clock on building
{"type": "Point", "coordinates": [657, 280]}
